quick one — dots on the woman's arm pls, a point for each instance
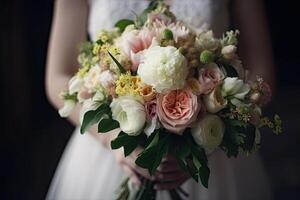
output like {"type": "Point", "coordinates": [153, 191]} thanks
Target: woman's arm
{"type": "Point", "coordinates": [255, 44]}
{"type": "Point", "coordinates": [69, 28]}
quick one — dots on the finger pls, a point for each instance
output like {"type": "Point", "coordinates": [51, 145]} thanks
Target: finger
{"type": "Point", "coordinates": [170, 177]}
{"type": "Point", "coordinates": [169, 167]}
{"type": "Point", "coordinates": [137, 169]}
{"type": "Point", "coordinates": [132, 175]}
{"type": "Point", "coordinates": [170, 185]}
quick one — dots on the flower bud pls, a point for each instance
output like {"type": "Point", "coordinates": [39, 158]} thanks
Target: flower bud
{"type": "Point", "coordinates": [207, 56]}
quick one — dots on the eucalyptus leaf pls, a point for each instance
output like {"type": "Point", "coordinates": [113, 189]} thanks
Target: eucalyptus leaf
{"type": "Point", "coordinates": [93, 116]}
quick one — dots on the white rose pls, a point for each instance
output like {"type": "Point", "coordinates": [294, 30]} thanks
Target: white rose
{"type": "Point", "coordinates": [68, 107]}
{"type": "Point", "coordinates": [235, 87]}
{"type": "Point", "coordinates": [164, 68]}
{"type": "Point", "coordinates": [130, 114]}
{"type": "Point", "coordinates": [209, 132]}
{"type": "Point", "coordinates": [75, 84]}
{"type": "Point", "coordinates": [207, 41]}
{"type": "Point", "coordinates": [92, 79]}
{"type": "Point", "coordinates": [214, 101]}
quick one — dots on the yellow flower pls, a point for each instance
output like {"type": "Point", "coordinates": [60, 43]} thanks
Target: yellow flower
{"type": "Point", "coordinates": [128, 85]}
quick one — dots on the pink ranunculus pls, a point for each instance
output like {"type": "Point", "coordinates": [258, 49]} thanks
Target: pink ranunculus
{"type": "Point", "coordinates": [209, 77]}
{"type": "Point", "coordinates": [151, 116]}
{"type": "Point", "coordinates": [177, 110]}
{"type": "Point", "coordinates": [134, 42]}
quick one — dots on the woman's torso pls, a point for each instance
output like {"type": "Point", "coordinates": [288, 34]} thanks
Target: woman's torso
{"type": "Point", "coordinates": [212, 13]}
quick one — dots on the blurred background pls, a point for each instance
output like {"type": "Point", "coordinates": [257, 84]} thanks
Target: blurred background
{"type": "Point", "coordinates": [33, 136]}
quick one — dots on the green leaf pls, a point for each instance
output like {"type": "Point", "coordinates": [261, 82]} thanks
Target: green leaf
{"type": "Point", "coordinates": [204, 175]}
{"type": "Point", "coordinates": [129, 143]}
{"type": "Point", "coordinates": [106, 125]}
{"type": "Point", "coordinates": [151, 157]}
{"type": "Point", "coordinates": [121, 68]}
{"type": "Point", "coordinates": [123, 23]}
{"type": "Point", "coordinates": [230, 70]}
{"type": "Point", "coordinates": [93, 116]}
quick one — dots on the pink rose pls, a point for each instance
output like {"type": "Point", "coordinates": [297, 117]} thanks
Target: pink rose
{"type": "Point", "coordinates": [209, 77]}
{"type": "Point", "coordinates": [151, 115]}
{"type": "Point", "coordinates": [177, 109]}
{"type": "Point", "coordinates": [133, 43]}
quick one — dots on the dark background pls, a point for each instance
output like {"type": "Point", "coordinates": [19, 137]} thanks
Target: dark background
{"type": "Point", "coordinates": [33, 136]}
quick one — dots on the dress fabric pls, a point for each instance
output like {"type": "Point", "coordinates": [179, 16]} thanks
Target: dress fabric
{"type": "Point", "coordinates": [88, 171]}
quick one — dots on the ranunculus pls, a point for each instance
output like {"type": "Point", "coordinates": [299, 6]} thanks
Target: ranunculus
{"type": "Point", "coordinates": [152, 122]}
{"type": "Point", "coordinates": [209, 77]}
{"type": "Point", "coordinates": [235, 87]}
{"type": "Point", "coordinates": [214, 101]}
{"type": "Point", "coordinates": [207, 41]}
{"type": "Point", "coordinates": [130, 114]}
{"type": "Point", "coordinates": [68, 107]}
{"type": "Point", "coordinates": [209, 132]}
{"type": "Point", "coordinates": [75, 84]}
{"type": "Point", "coordinates": [164, 68]}
{"type": "Point", "coordinates": [177, 109]}
{"type": "Point", "coordinates": [134, 42]}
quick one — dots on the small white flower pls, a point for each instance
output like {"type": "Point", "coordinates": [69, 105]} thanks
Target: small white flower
{"type": "Point", "coordinates": [130, 114]}
{"type": "Point", "coordinates": [229, 51]}
{"type": "Point", "coordinates": [235, 87]}
{"type": "Point", "coordinates": [209, 132]}
{"type": "Point", "coordinates": [68, 107]}
{"type": "Point", "coordinates": [75, 84]}
{"type": "Point", "coordinates": [207, 41]}
{"type": "Point", "coordinates": [214, 101]}
{"type": "Point", "coordinates": [164, 68]}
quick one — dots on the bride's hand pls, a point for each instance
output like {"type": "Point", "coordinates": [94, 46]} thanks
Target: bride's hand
{"type": "Point", "coordinates": [170, 175]}
{"type": "Point", "coordinates": [131, 169]}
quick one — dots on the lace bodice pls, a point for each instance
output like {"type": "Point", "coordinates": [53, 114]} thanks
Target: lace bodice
{"type": "Point", "coordinates": [214, 13]}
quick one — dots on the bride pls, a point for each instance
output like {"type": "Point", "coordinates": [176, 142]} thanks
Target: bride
{"type": "Point", "coordinates": [89, 169]}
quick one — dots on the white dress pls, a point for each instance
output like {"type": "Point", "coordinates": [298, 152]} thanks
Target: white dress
{"type": "Point", "coordinates": [88, 171]}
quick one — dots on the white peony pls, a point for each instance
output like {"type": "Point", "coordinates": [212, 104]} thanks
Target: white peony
{"type": "Point", "coordinates": [214, 101]}
{"type": "Point", "coordinates": [130, 114]}
{"type": "Point", "coordinates": [209, 132]}
{"type": "Point", "coordinates": [164, 68]}
{"type": "Point", "coordinates": [68, 107]}
{"type": "Point", "coordinates": [235, 87]}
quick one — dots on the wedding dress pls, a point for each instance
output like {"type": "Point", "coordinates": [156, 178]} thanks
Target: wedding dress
{"type": "Point", "coordinates": [88, 171]}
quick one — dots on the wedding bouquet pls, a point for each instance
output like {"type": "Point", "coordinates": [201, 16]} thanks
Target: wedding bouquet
{"type": "Point", "coordinates": [170, 90]}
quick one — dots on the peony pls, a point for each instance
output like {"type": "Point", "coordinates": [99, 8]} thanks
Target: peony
{"type": "Point", "coordinates": [164, 68]}
{"type": "Point", "coordinates": [130, 114]}
{"type": "Point", "coordinates": [177, 109]}
{"type": "Point", "coordinates": [134, 42]}
{"type": "Point", "coordinates": [235, 87]}
{"type": "Point", "coordinates": [214, 101]}
{"type": "Point", "coordinates": [209, 132]}
{"type": "Point", "coordinates": [209, 77]}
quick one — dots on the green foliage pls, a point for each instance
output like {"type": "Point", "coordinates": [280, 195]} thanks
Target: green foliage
{"type": "Point", "coordinates": [129, 143]}
{"type": "Point", "coordinates": [106, 125]}
{"type": "Point", "coordinates": [93, 116]}
{"type": "Point", "coordinates": [121, 68]}
{"type": "Point", "coordinates": [123, 23]}
{"type": "Point", "coordinates": [230, 71]}
{"type": "Point", "coordinates": [151, 157]}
